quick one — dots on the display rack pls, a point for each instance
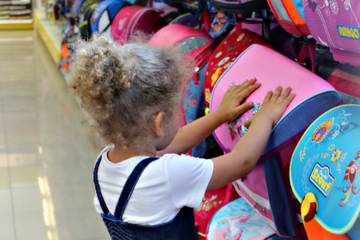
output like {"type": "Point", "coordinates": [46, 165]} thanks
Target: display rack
{"type": "Point", "coordinates": [20, 24]}
{"type": "Point", "coordinates": [16, 15]}
{"type": "Point", "coordinates": [50, 33]}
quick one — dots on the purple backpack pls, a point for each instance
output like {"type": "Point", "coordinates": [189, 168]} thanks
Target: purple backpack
{"type": "Point", "coordinates": [336, 24]}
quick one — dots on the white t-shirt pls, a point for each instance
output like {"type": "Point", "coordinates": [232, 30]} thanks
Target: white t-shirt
{"type": "Point", "coordinates": [166, 185]}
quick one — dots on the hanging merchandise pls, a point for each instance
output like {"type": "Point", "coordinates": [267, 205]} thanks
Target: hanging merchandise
{"type": "Point", "coordinates": [225, 54]}
{"type": "Point", "coordinates": [290, 15]}
{"type": "Point", "coordinates": [211, 203]}
{"type": "Point", "coordinates": [202, 15]}
{"type": "Point", "coordinates": [104, 15]}
{"type": "Point", "coordinates": [324, 175]}
{"type": "Point", "coordinates": [197, 46]}
{"type": "Point", "coordinates": [132, 19]}
{"type": "Point", "coordinates": [238, 220]}
{"type": "Point", "coordinates": [221, 25]}
{"type": "Point", "coordinates": [250, 14]}
{"type": "Point", "coordinates": [336, 24]}
{"type": "Point", "coordinates": [264, 187]}
{"type": "Point", "coordinates": [86, 12]}
{"type": "Point", "coordinates": [70, 36]}
{"type": "Point", "coordinates": [77, 27]}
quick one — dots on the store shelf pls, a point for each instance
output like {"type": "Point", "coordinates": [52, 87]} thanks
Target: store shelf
{"type": "Point", "coordinates": [50, 33]}
{"type": "Point", "coordinates": [16, 24]}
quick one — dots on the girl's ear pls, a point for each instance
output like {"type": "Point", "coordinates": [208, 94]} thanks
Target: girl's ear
{"type": "Point", "coordinates": [158, 126]}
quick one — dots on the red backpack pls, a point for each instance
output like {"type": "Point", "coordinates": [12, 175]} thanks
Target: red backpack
{"type": "Point", "coordinates": [212, 202]}
{"type": "Point", "coordinates": [225, 54]}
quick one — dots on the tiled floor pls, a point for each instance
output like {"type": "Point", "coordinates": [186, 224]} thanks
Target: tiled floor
{"type": "Point", "coordinates": [45, 155]}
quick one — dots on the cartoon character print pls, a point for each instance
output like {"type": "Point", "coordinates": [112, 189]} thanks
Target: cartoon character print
{"type": "Point", "coordinates": [347, 4]}
{"type": "Point", "coordinates": [322, 131]}
{"type": "Point", "coordinates": [209, 203]}
{"type": "Point", "coordinates": [225, 233]}
{"type": "Point", "coordinates": [238, 220]}
{"type": "Point", "coordinates": [335, 156]}
{"type": "Point", "coordinates": [331, 7]}
{"type": "Point", "coordinates": [345, 126]}
{"type": "Point", "coordinates": [216, 75]}
{"type": "Point", "coordinates": [330, 130]}
{"type": "Point", "coordinates": [319, 9]}
{"type": "Point", "coordinates": [350, 177]}
{"type": "Point", "coordinates": [220, 25]}
{"type": "Point", "coordinates": [326, 132]}
{"type": "Point", "coordinates": [237, 127]}
{"type": "Point", "coordinates": [334, 7]}
{"type": "Point", "coordinates": [348, 7]}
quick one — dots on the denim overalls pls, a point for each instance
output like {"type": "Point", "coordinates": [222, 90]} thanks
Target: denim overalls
{"type": "Point", "coordinates": [182, 227]}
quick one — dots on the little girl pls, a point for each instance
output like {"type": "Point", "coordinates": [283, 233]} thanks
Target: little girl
{"type": "Point", "coordinates": [146, 187]}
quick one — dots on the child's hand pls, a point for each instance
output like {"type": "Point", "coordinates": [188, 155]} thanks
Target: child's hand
{"type": "Point", "coordinates": [275, 103]}
{"type": "Point", "coordinates": [231, 107]}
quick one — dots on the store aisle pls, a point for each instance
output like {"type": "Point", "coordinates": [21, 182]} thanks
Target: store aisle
{"type": "Point", "coordinates": [45, 157]}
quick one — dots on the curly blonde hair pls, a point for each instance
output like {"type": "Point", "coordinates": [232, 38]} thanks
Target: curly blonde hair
{"type": "Point", "coordinates": [123, 86]}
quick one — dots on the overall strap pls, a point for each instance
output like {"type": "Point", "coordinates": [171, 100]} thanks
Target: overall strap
{"type": "Point", "coordinates": [130, 185]}
{"type": "Point", "coordinates": [99, 195]}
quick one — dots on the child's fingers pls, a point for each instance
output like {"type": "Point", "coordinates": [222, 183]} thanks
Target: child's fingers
{"type": "Point", "coordinates": [268, 96]}
{"type": "Point", "coordinates": [252, 80]}
{"type": "Point", "coordinates": [247, 83]}
{"type": "Point", "coordinates": [243, 108]}
{"type": "Point", "coordinates": [244, 93]}
{"type": "Point", "coordinates": [286, 92]}
{"type": "Point", "coordinates": [277, 92]}
{"type": "Point", "coordinates": [289, 98]}
{"type": "Point", "coordinates": [244, 85]}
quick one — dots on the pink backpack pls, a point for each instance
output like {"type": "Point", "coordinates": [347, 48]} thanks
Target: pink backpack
{"type": "Point", "coordinates": [336, 24]}
{"type": "Point", "coordinates": [197, 46]}
{"type": "Point", "coordinates": [131, 19]}
{"type": "Point", "coordinates": [225, 54]}
{"type": "Point", "coordinates": [193, 43]}
{"type": "Point", "coordinates": [266, 188]}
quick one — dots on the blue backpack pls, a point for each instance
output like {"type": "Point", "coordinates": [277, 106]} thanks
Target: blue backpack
{"type": "Point", "coordinates": [104, 14]}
